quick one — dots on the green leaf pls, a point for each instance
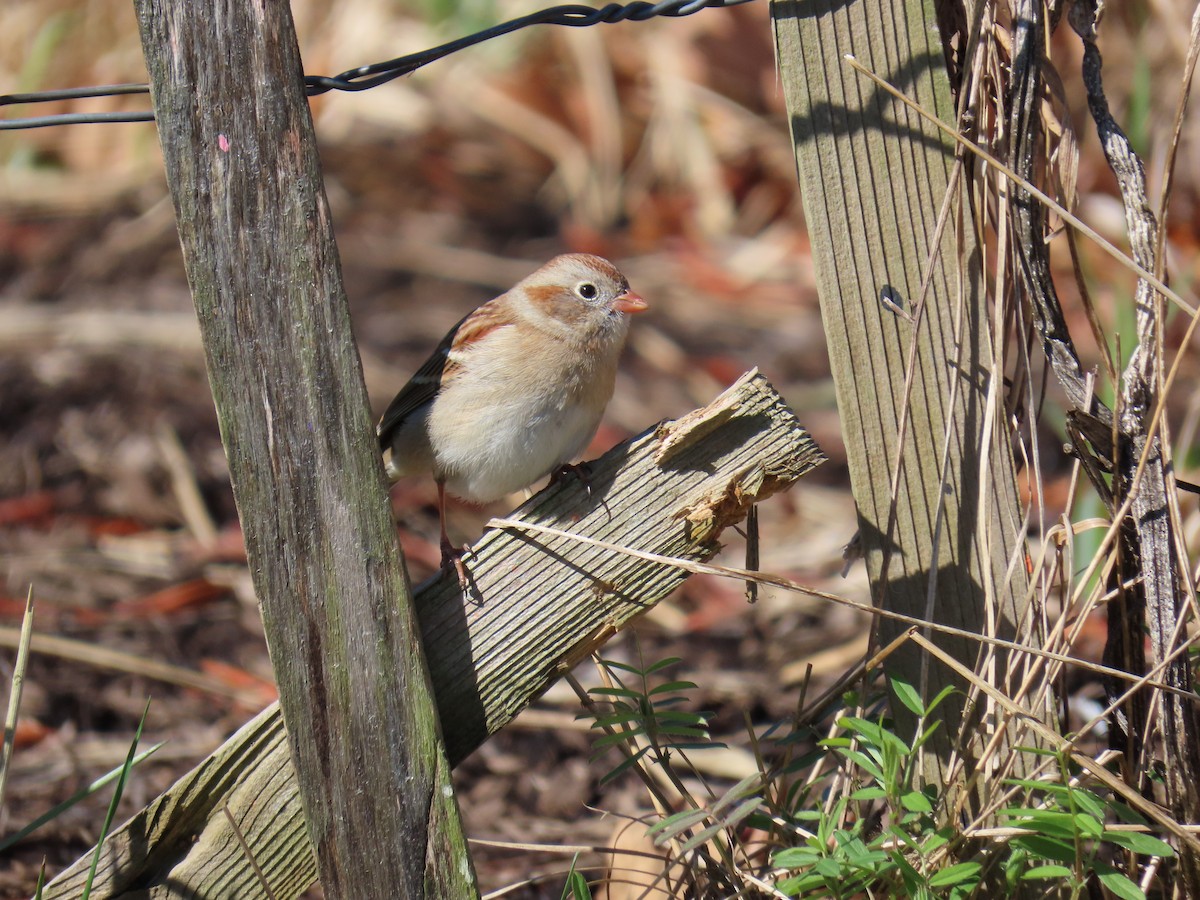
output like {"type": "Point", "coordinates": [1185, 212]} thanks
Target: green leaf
{"type": "Point", "coordinates": [926, 734]}
{"type": "Point", "coordinates": [662, 664]}
{"type": "Point", "coordinates": [799, 885]}
{"type": "Point", "coordinates": [1045, 848]}
{"type": "Point", "coordinates": [869, 793]}
{"type": "Point", "coordinates": [955, 874]}
{"type": "Point", "coordinates": [1088, 826]}
{"type": "Point", "coordinates": [830, 868]}
{"type": "Point", "coordinates": [874, 733]}
{"type": "Point", "coordinates": [860, 855]}
{"type": "Point", "coordinates": [1048, 787]}
{"type": "Point", "coordinates": [681, 716]}
{"type": "Point", "coordinates": [86, 792]}
{"type": "Point", "coordinates": [870, 730]}
{"type": "Point", "coordinates": [576, 887]}
{"type": "Point", "coordinates": [939, 697]}
{"type": "Point", "coordinates": [618, 718]}
{"type": "Point", "coordinates": [627, 693]}
{"type": "Point", "coordinates": [672, 686]}
{"type": "Point", "coordinates": [624, 765]}
{"type": "Point", "coordinates": [746, 808]}
{"type": "Point", "coordinates": [871, 860]}
{"type": "Point", "coordinates": [805, 762]}
{"type": "Point", "coordinates": [1089, 803]}
{"type": "Point", "coordinates": [743, 788]}
{"type": "Point", "coordinates": [909, 696]}
{"type": "Point", "coordinates": [634, 670]}
{"type": "Point", "coordinates": [915, 801]}
{"type": "Point", "coordinates": [761, 820]}
{"type": "Point", "coordinates": [1047, 872]}
{"type": "Point", "coordinates": [1126, 814]}
{"type": "Point", "coordinates": [912, 878]}
{"type": "Point", "coordinates": [609, 741]}
{"type": "Point", "coordinates": [911, 819]}
{"type": "Point", "coordinates": [935, 841]}
{"type": "Point", "coordinates": [903, 838]}
{"type": "Point", "coordinates": [895, 742]}
{"type": "Point", "coordinates": [679, 738]}
{"type": "Point", "coordinates": [673, 824]}
{"type": "Point", "coordinates": [795, 857]}
{"type": "Point", "coordinates": [1117, 883]}
{"type": "Point", "coordinates": [705, 743]}
{"type": "Point", "coordinates": [604, 741]}
{"type": "Point", "coordinates": [1044, 821]}
{"type": "Point", "coordinates": [703, 836]}
{"type": "Point", "coordinates": [1145, 844]}
{"type": "Point", "coordinates": [864, 762]}
{"type": "Point", "coordinates": [668, 702]}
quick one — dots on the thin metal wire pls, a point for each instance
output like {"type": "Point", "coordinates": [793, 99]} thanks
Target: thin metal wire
{"type": "Point", "coordinates": [75, 119]}
{"type": "Point", "coordinates": [366, 77]}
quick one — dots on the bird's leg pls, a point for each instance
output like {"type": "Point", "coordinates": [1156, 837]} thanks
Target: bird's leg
{"type": "Point", "coordinates": [451, 555]}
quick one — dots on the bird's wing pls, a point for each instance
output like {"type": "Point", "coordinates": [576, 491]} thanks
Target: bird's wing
{"type": "Point", "coordinates": [442, 366]}
{"type": "Point", "coordinates": [420, 390]}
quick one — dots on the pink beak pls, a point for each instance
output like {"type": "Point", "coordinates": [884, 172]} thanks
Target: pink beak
{"type": "Point", "coordinates": [629, 302]}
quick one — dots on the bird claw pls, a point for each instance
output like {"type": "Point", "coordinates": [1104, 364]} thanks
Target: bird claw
{"type": "Point", "coordinates": [452, 558]}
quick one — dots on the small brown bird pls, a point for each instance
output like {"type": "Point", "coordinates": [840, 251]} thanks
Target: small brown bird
{"type": "Point", "coordinates": [516, 389]}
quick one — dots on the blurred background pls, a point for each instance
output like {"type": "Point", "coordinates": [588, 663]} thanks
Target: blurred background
{"type": "Point", "coordinates": [662, 145]}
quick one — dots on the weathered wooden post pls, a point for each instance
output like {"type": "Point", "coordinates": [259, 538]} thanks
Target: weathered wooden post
{"type": "Point", "coordinates": [918, 393]}
{"type": "Point", "coordinates": [245, 177]}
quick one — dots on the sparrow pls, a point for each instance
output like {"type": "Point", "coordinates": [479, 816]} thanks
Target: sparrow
{"type": "Point", "coordinates": [515, 390]}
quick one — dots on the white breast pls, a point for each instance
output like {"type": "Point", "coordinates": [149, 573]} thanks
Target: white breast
{"type": "Point", "coordinates": [496, 430]}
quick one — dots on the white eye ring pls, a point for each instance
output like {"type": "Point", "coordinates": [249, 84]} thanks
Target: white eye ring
{"type": "Point", "coordinates": [585, 290]}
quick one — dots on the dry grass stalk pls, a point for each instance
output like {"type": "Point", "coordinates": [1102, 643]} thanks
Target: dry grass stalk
{"type": "Point", "coordinates": [16, 686]}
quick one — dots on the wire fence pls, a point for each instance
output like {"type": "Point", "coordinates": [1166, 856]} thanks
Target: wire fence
{"type": "Point", "coordinates": [366, 77]}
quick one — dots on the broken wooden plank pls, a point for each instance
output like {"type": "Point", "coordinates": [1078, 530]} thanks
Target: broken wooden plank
{"type": "Point", "coordinates": [541, 603]}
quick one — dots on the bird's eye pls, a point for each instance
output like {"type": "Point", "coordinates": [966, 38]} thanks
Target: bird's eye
{"type": "Point", "coordinates": [587, 290]}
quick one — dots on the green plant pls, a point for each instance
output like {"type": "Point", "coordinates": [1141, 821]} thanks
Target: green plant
{"type": "Point", "coordinates": [53, 813]}
{"type": "Point", "coordinates": [710, 821]}
{"type": "Point", "coordinates": [851, 818]}
{"type": "Point", "coordinates": [1065, 837]}
{"type": "Point", "coordinates": [645, 723]}
{"type": "Point", "coordinates": [883, 834]}
{"type": "Point", "coordinates": [576, 887]}
{"type": "Point", "coordinates": [646, 719]}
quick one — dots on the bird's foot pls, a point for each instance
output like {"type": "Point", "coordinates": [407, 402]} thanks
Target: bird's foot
{"type": "Point", "coordinates": [452, 558]}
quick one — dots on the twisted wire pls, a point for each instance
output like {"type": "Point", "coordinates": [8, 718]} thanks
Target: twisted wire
{"type": "Point", "coordinates": [366, 77]}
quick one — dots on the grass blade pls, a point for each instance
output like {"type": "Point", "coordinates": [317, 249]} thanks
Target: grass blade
{"type": "Point", "coordinates": [14, 694]}
{"type": "Point", "coordinates": [82, 794]}
{"type": "Point", "coordinates": [112, 806]}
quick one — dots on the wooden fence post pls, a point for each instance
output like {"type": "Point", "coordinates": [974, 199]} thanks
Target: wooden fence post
{"type": "Point", "coordinates": [244, 174]}
{"type": "Point", "coordinates": [918, 389]}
